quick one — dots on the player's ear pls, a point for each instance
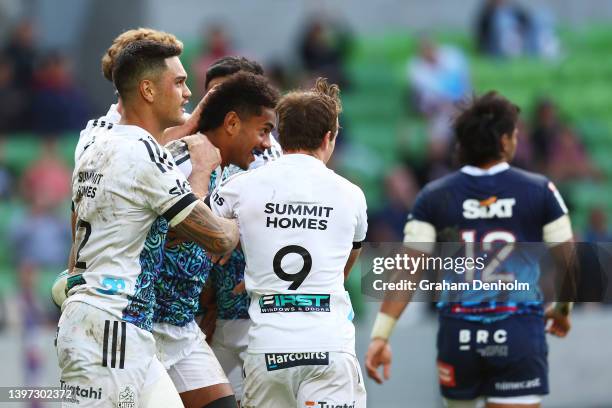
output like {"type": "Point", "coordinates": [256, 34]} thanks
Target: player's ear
{"type": "Point", "coordinates": [508, 146]}
{"type": "Point", "coordinates": [232, 123]}
{"type": "Point", "coordinates": [327, 140]}
{"type": "Point", "coordinates": [147, 90]}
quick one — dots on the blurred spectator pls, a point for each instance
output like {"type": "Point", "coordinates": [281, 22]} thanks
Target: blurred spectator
{"type": "Point", "coordinates": [58, 104]}
{"type": "Point", "coordinates": [21, 50]}
{"type": "Point", "coordinates": [568, 159]}
{"type": "Point", "coordinates": [6, 180]}
{"type": "Point", "coordinates": [545, 128]}
{"type": "Point", "coordinates": [323, 48]}
{"type": "Point", "coordinates": [48, 181]}
{"type": "Point", "coordinates": [216, 45]}
{"type": "Point", "coordinates": [13, 99]}
{"type": "Point", "coordinates": [505, 29]}
{"type": "Point", "coordinates": [40, 238]}
{"type": "Point", "coordinates": [279, 76]}
{"type": "Point", "coordinates": [34, 318]}
{"type": "Point", "coordinates": [524, 156]}
{"type": "Point", "coordinates": [438, 77]}
{"type": "Point", "coordinates": [401, 188]}
{"type": "Point", "coordinates": [597, 229]}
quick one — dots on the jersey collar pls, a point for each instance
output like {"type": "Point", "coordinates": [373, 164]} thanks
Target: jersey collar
{"type": "Point", "coordinates": [301, 158]}
{"type": "Point", "coordinates": [477, 171]}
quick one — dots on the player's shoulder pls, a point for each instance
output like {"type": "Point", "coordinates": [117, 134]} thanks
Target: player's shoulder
{"type": "Point", "coordinates": [346, 186]}
{"type": "Point", "coordinates": [135, 145]}
{"type": "Point", "coordinates": [527, 178]}
{"type": "Point", "coordinates": [444, 183]}
{"type": "Point", "coordinates": [232, 177]}
{"type": "Point", "coordinates": [106, 121]}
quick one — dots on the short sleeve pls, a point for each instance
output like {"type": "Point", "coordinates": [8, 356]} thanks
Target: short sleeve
{"type": "Point", "coordinates": [557, 225]}
{"type": "Point", "coordinates": [225, 197]}
{"type": "Point", "coordinates": [420, 225]}
{"type": "Point", "coordinates": [362, 218]}
{"type": "Point", "coordinates": [554, 206]}
{"type": "Point", "coordinates": [163, 187]}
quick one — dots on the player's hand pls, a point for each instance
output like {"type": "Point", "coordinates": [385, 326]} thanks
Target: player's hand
{"type": "Point", "coordinates": [189, 127]}
{"type": "Point", "coordinates": [205, 157]}
{"type": "Point", "coordinates": [172, 239]}
{"type": "Point", "coordinates": [209, 323]}
{"type": "Point", "coordinates": [379, 353]}
{"type": "Point", "coordinates": [557, 323]}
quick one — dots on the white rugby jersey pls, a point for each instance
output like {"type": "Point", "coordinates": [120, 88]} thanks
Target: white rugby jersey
{"type": "Point", "coordinates": [298, 222]}
{"type": "Point", "coordinates": [271, 153]}
{"type": "Point", "coordinates": [122, 182]}
{"type": "Point", "coordinates": [95, 127]}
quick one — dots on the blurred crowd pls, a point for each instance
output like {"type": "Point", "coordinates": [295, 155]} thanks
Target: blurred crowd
{"type": "Point", "coordinates": [438, 80]}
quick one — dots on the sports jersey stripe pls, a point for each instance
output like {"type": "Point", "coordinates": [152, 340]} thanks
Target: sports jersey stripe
{"type": "Point", "coordinates": [182, 159]}
{"type": "Point", "coordinates": [179, 206]}
{"type": "Point", "coordinates": [114, 345]}
{"type": "Point", "coordinates": [123, 336]}
{"type": "Point", "coordinates": [152, 156]}
{"type": "Point", "coordinates": [156, 156]}
{"type": "Point", "coordinates": [163, 157]}
{"type": "Point", "coordinates": [105, 343]}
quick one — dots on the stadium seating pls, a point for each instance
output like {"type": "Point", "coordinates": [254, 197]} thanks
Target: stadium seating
{"type": "Point", "coordinates": [379, 119]}
{"type": "Point", "coordinates": [383, 130]}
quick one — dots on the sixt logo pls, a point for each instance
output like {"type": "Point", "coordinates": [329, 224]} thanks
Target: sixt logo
{"type": "Point", "coordinates": [294, 303]}
{"type": "Point", "coordinates": [323, 404]}
{"type": "Point", "coordinates": [492, 207]}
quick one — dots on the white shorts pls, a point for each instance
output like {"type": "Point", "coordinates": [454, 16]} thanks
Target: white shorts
{"type": "Point", "coordinates": [188, 358]}
{"type": "Point", "coordinates": [286, 380]}
{"type": "Point", "coordinates": [105, 361]}
{"type": "Point", "coordinates": [230, 343]}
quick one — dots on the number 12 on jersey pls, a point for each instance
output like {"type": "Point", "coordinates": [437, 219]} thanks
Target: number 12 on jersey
{"type": "Point", "coordinates": [489, 273]}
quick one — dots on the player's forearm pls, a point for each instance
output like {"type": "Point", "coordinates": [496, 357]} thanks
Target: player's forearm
{"type": "Point", "coordinates": [567, 272]}
{"type": "Point", "coordinates": [71, 254]}
{"type": "Point", "coordinates": [565, 308]}
{"type": "Point", "coordinates": [71, 259]}
{"type": "Point", "coordinates": [73, 221]}
{"type": "Point", "coordinates": [390, 311]}
{"type": "Point", "coordinates": [351, 261]}
{"type": "Point", "coordinates": [215, 234]}
{"type": "Point", "coordinates": [199, 183]}
{"type": "Point", "coordinates": [392, 307]}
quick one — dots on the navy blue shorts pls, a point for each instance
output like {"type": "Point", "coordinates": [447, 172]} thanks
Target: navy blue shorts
{"type": "Point", "coordinates": [506, 358]}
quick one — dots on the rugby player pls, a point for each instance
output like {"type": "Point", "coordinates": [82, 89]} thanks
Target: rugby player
{"type": "Point", "coordinates": [237, 118]}
{"type": "Point", "coordinates": [96, 126]}
{"type": "Point", "coordinates": [301, 228]}
{"type": "Point", "coordinates": [471, 368]}
{"type": "Point", "coordinates": [223, 300]}
{"type": "Point", "coordinates": [192, 367]}
{"type": "Point", "coordinates": [123, 180]}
